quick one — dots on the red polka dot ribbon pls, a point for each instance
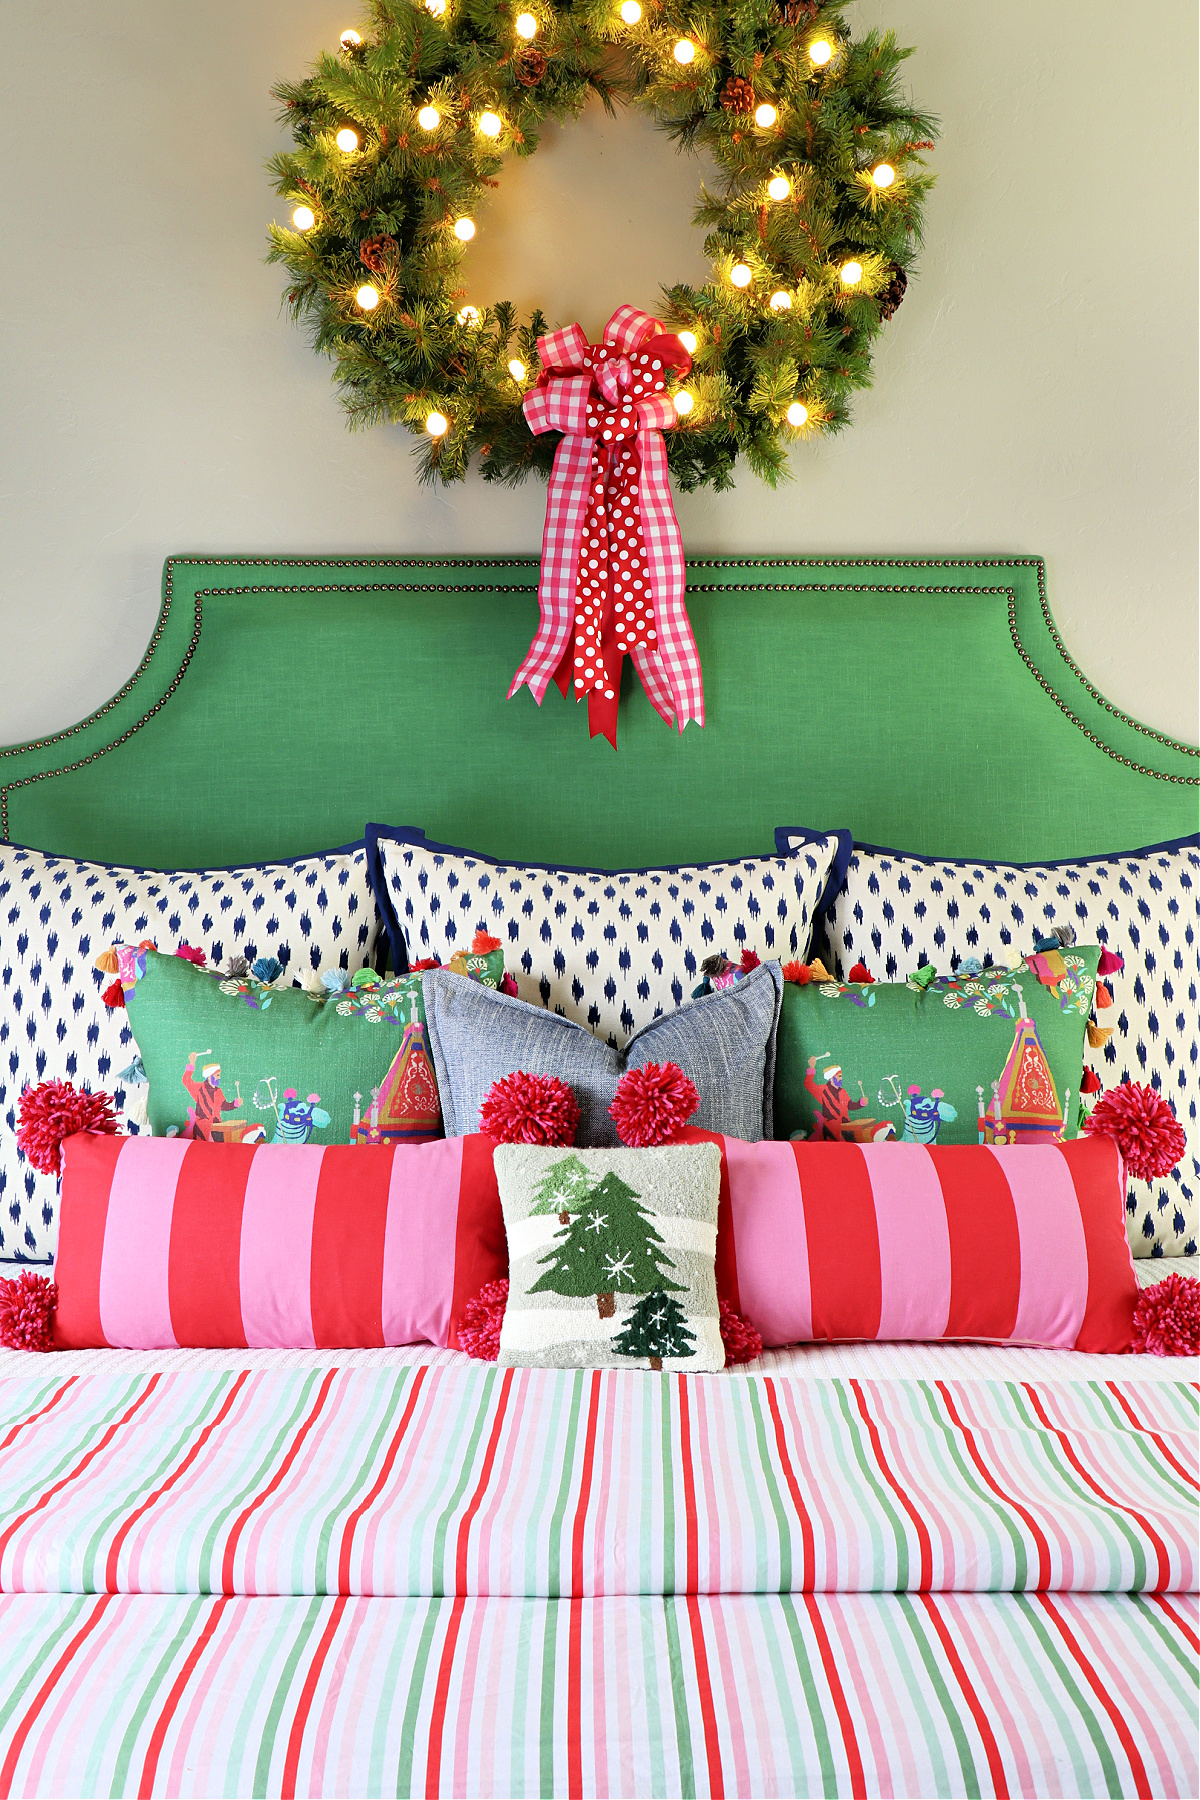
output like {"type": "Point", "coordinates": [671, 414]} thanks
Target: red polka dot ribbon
{"type": "Point", "coordinates": [612, 572]}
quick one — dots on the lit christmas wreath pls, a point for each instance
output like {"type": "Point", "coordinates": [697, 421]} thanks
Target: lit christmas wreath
{"type": "Point", "coordinates": [399, 135]}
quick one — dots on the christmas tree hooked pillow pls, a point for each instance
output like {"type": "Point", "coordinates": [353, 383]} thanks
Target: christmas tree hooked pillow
{"type": "Point", "coordinates": [611, 1257]}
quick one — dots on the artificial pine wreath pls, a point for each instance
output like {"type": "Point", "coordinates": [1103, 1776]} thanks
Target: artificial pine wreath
{"type": "Point", "coordinates": [399, 136]}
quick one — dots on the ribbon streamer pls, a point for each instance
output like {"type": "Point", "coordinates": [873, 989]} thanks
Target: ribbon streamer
{"type": "Point", "coordinates": [612, 573]}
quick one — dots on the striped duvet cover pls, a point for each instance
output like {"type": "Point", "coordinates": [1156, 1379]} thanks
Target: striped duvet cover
{"type": "Point", "coordinates": [428, 1576]}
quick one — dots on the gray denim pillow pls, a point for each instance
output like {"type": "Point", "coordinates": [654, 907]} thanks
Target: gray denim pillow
{"type": "Point", "coordinates": [725, 1043]}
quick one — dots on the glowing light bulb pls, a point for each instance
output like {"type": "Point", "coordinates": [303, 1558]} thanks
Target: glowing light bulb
{"type": "Point", "coordinates": [851, 274]}
{"type": "Point", "coordinates": [367, 297]}
{"type": "Point", "coordinates": [797, 415]}
{"type": "Point", "coordinates": [765, 116]}
{"type": "Point", "coordinates": [525, 25]}
{"type": "Point", "coordinates": [883, 175]}
{"type": "Point", "coordinates": [740, 275]}
{"type": "Point", "coordinates": [689, 340]}
{"type": "Point", "coordinates": [350, 39]}
{"type": "Point", "coordinates": [684, 51]}
{"type": "Point", "coordinates": [437, 424]}
{"type": "Point", "coordinates": [516, 369]}
{"type": "Point", "coordinates": [779, 187]}
{"type": "Point", "coordinates": [471, 317]}
{"type": "Point", "coordinates": [429, 118]}
{"type": "Point", "coordinates": [464, 229]}
{"type": "Point", "coordinates": [491, 124]}
{"type": "Point", "coordinates": [781, 302]}
{"type": "Point", "coordinates": [346, 140]}
{"type": "Point", "coordinates": [820, 53]}
{"type": "Point", "coordinates": [304, 218]}
{"type": "Point", "coordinates": [683, 403]}
{"type": "Point", "coordinates": [436, 8]}
{"type": "Point", "coordinates": [631, 12]}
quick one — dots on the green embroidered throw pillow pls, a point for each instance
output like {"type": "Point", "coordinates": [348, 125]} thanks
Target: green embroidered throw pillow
{"type": "Point", "coordinates": [236, 1060]}
{"type": "Point", "coordinates": [991, 1059]}
{"type": "Point", "coordinates": [611, 1257]}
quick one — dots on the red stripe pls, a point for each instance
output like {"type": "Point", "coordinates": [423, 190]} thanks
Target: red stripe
{"type": "Point", "coordinates": [437, 1722]}
{"type": "Point", "coordinates": [347, 1246]}
{"type": "Point", "coordinates": [991, 1748]}
{"type": "Point", "coordinates": [712, 1743]}
{"type": "Point", "coordinates": [43, 1694]}
{"type": "Point", "coordinates": [30, 1417]}
{"type": "Point", "coordinates": [1164, 1561]}
{"type": "Point", "coordinates": [204, 1260]}
{"type": "Point", "coordinates": [1154, 1436]}
{"type": "Point", "coordinates": [1160, 1600]}
{"type": "Point", "coordinates": [691, 1524]}
{"type": "Point", "coordinates": [351, 1525]}
{"type": "Point", "coordinates": [110, 1570]}
{"type": "Point", "coordinates": [105, 1441]}
{"type": "Point", "coordinates": [1137, 1766]}
{"type": "Point", "coordinates": [485, 1475]}
{"type": "Point", "coordinates": [985, 1245]}
{"type": "Point", "coordinates": [285, 1465]}
{"type": "Point", "coordinates": [808, 1544]}
{"type": "Point", "coordinates": [480, 1240]}
{"type": "Point", "coordinates": [923, 1539]}
{"type": "Point", "coordinates": [304, 1704]}
{"type": "Point", "coordinates": [585, 1486]}
{"type": "Point", "coordinates": [726, 1264]}
{"type": "Point", "coordinates": [858, 1781]}
{"type": "Point", "coordinates": [1095, 1167]}
{"type": "Point", "coordinates": [1026, 1517]}
{"type": "Point", "coordinates": [574, 1697]}
{"type": "Point", "coordinates": [178, 1688]}
{"type": "Point", "coordinates": [89, 1163]}
{"type": "Point", "coordinates": [847, 1291]}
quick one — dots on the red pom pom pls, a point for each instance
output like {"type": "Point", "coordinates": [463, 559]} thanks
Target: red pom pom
{"type": "Point", "coordinates": [190, 954]}
{"type": "Point", "coordinates": [483, 1316]}
{"type": "Point", "coordinates": [652, 1105]}
{"type": "Point", "coordinates": [508, 984]}
{"type": "Point", "coordinates": [794, 971]}
{"type": "Point", "coordinates": [1110, 963]}
{"type": "Point", "coordinates": [530, 1109]}
{"type": "Point", "coordinates": [54, 1110]}
{"type": "Point", "coordinates": [742, 1342]}
{"type": "Point", "coordinates": [26, 1309]}
{"type": "Point", "coordinates": [426, 962]}
{"type": "Point", "coordinates": [1166, 1319]}
{"type": "Point", "coordinates": [861, 973]}
{"type": "Point", "coordinates": [749, 960]}
{"type": "Point", "coordinates": [1091, 1083]}
{"type": "Point", "coordinates": [114, 995]}
{"type": "Point", "coordinates": [483, 943]}
{"type": "Point", "coordinates": [1142, 1125]}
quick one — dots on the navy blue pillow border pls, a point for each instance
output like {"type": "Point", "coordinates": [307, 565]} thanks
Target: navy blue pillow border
{"type": "Point", "coordinates": [270, 862]}
{"type": "Point", "coordinates": [784, 832]}
{"type": "Point", "coordinates": [413, 834]}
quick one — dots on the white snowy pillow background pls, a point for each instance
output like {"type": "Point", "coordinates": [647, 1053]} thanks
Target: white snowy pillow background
{"type": "Point", "coordinates": [56, 916]}
{"type": "Point", "coordinates": [894, 912]}
{"type": "Point", "coordinates": [611, 951]}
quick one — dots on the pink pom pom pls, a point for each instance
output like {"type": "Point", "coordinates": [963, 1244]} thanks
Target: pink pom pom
{"type": "Point", "coordinates": [652, 1105]}
{"type": "Point", "coordinates": [479, 1335]}
{"type": "Point", "coordinates": [26, 1309]}
{"type": "Point", "coordinates": [742, 1342]}
{"type": "Point", "coordinates": [1110, 963]}
{"type": "Point", "coordinates": [1142, 1125]}
{"type": "Point", "coordinates": [190, 954]}
{"type": "Point", "coordinates": [530, 1109]}
{"type": "Point", "coordinates": [508, 984]}
{"type": "Point", "coordinates": [1166, 1319]}
{"type": "Point", "coordinates": [55, 1110]}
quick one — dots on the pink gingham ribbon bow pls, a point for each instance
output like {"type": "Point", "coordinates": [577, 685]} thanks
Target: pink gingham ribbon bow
{"type": "Point", "coordinates": [612, 573]}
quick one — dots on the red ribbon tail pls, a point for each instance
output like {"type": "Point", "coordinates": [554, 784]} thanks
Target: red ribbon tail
{"type": "Point", "coordinates": [602, 713]}
{"type": "Point", "coordinates": [562, 675]}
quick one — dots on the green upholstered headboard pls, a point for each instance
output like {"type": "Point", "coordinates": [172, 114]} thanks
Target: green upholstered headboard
{"type": "Point", "coordinates": [928, 705]}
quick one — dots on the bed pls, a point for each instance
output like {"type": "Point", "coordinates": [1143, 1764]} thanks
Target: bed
{"type": "Point", "coordinates": [869, 1569]}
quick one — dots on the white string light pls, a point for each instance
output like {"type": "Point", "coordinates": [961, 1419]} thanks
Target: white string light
{"type": "Point", "coordinates": [631, 12]}
{"type": "Point", "coordinates": [683, 403]}
{"type": "Point", "coordinates": [741, 275]}
{"type": "Point", "coordinates": [684, 51]}
{"type": "Point", "coordinates": [689, 340]}
{"type": "Point", "coordinates": [883, 175]}
{"type": "Point", "coordinates": [470, 316]}
{"type": "Point", "coordinates": [464, 229]}
{"type": "Point", "coordinates": [350, 39]}
{"type": "Point", "coordinates": [765, 116]}
{"type": "Point", "coordinates": [491, 124]}
{"type": "Point", "coordinates": [851, 273]}
{"type": "Point", "coordinates": [797, 414]}
{"type": "Point", "coordinates": [820, 52]}
{"type": "Point", "coordinates": [304, 218]}
{"type": "Point", "coordinates": [779, 187]}
{"type": "Point", "coordinates": [780, 301]}
{"type": "Point", "coordinates": [367, 297]}
{"type": "Point", "coordinates": [347, 139]}
{"type": "Point", "coordinates": [516, 369]}
{"type": "Point", "coordinates": [525, 25]}
{"type": "Point", "coordinates": [429, 118]}
{"type": "Point", "coordinates": [437, 424]}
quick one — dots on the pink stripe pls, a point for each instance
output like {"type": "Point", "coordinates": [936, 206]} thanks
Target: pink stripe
{"type": "Point", "coordinates": [769, 1232]}
{"type": "Point", "coordinates": [72, 1690]}
{"type": "Point", "coordinates": [419, 1242]}
{"type": "Point", "coordinates": [276, 1265]}
{"type": "Point", "coordinates": [1054, 1263]}
{"type": "Point", "coordinates": [135, 1301]}
{"type": "Point", "coordinates": [914, 1241]}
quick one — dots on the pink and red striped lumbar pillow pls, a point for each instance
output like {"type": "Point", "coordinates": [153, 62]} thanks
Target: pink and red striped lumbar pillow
{"type": "Point", "coordinates": [170, 1241]}
{"type": "Point", "coordinates": [1024, 1244]}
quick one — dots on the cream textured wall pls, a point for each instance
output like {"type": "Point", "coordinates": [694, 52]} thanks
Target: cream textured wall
{"type": "Point", "coordinates": [1035, 393]}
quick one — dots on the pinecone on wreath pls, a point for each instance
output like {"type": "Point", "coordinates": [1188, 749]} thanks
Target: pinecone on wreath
{"type": "Point", "coordinates": [737, 96]}
{"type": "Point", "coordinates": [893, 293]}
{"type": "Point", "coordinates": [376, 252]}
{"type": "Point", "coordinates": [799, 12]}
{"type": "Point", "coordinates": [530, 66]}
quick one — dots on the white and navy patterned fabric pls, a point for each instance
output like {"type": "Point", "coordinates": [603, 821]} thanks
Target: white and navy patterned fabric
{"type": "Point", "coordinates": [58, 914]}
{"type": "Point", "coordinates": [610, 950]}
{"type": "Point", "coordinates": [895, 912]}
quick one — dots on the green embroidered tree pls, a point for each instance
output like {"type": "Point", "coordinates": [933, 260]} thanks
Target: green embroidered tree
{"type": "Point", "coordinates": [656, 1327]}
{"type": "Point", "coordinates": [608, 1248]}
{"type": "Point", "coordinates": [562, 1190]}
